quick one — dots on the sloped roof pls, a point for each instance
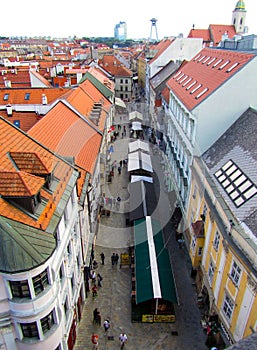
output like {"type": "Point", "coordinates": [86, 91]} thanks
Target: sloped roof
{"type": "Point", "coordinates": [17, 96]}
{"type": "Point", "coordinates": [205, 73]}
{"type": "Point", "coordinates": [200, 33]}
{"type": "Point", "coordinates": [83, 99]}
{"type": "Point", "coordinates": [31, 162]}
{"type": "Point", "coordinates": [217, 30]}
{"type": "Point", "coordinates": [19, 184]}
{"type": "Point", "coordinates": [112, 65]}
{"type": "Point", "coordinates": [28, 240]}
{"type": "Point", "coordinates": [161, 47]}
{"type": "Point", "coordinates": [238, 147]}
{"type": "Point", "coordinates": [40, 78]}
{"type": "Point", "coordinates": [25, 119]}
{"type": "Point", "coordinates": [213, 33]}
{"type": "Point", "coordinates": [65, 131]}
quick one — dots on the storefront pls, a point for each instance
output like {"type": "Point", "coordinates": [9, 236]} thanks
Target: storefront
{"type": "Point", "coordinates": [153, 292]}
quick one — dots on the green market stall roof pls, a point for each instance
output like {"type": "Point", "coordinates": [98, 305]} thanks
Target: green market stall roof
{"type": "Point", "coordinates": [154, 276]}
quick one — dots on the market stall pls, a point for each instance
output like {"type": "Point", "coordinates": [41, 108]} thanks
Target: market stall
{"type": "Point", "coordinates": [153, 292]}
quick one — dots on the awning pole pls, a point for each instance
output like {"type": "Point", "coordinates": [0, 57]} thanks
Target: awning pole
{"type": "Point", "coordinates": [156, 306]}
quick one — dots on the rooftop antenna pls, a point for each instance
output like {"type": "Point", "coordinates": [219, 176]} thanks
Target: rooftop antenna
{"type": "Point", "coordinates": [153, 27]}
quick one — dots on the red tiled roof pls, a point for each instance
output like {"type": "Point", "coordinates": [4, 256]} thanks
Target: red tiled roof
{"type": "Point", "coordinates": [213, 33]}
{"type": "Point", "coordinates": [17, 96]}
{"type": "Point", "coordinates": [112, 65]}
{"type": "Point", "coordinates": [19, 184]}
{"type": "Point", "coordinates": [217, 30]}
{"type": "Point", "coordinates": [66, 133]}
{"type": "Point", "coordinates": [200, 33]}
{"type": "Point", "coordinates": [201, 76]}
{"type": "Point", "coordinates": [31, 162]}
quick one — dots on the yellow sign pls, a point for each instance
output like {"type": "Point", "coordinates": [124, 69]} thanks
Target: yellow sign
{"type": "Point", "coordinates": [124, 259]}
{"type": "Point", "coordinates": [147, 318]}
{"type": "Point", "coordinates": [164, 318]}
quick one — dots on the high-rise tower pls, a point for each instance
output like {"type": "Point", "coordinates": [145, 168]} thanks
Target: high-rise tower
{"type": "Point", "coordinates": [120, 31]}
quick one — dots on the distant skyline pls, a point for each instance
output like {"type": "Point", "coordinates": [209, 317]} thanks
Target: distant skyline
{"type": "Point", "coordinates": [64, 18]}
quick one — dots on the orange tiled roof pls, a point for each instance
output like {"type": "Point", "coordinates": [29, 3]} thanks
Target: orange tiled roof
{"type": "Point", "coordinates": [213, 33]}
{"type": "Point", "coordinates": [83, 98]}
{"type": "Point", "coordinates": [25, 119]}
{"type": "Point", "coordinates": [200, 33]}
{"type": "Point", "coordinates": [19, 184]}
{"type": "Point", "coordinates": [217, 30]}
{"type": "Point", "coordinates": [66, 133]}
{"type": "Point", "coordinates": [201, 76]}
{"type": "Point", "coordinates": [31, 162]}
{"type": "Point", "coordinates": [17, 96]}
{"type": "Point", "coordinates": [112, 65]}
{"type": "Point", "coordinates": [15, 141]}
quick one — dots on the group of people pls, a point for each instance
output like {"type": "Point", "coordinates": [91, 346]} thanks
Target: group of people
{"type": "Point", "coordinates": [95, 278]}
{"type": "Point", "coordinates": [123, 338]}
{"type": "Point", "coordinates": [115, 259]}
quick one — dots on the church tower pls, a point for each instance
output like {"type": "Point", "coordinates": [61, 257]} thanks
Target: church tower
{"type": "Point", "coordinates": [238, 18]}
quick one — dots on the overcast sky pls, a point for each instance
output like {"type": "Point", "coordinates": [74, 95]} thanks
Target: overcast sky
{"type": "Point", "coordinates": [63, 18]}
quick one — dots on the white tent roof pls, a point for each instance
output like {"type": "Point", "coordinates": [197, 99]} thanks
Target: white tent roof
{"type": "Point", "coordinates": [135, 115]}
{"type": "Point", "coordinates": [136, 178]}
{"type": "Point", "coordinates": [136, 126]}
{"type": "Point", "coordinates": [139, 145]}
{"type": "Point", "coordinates": [139, 160]}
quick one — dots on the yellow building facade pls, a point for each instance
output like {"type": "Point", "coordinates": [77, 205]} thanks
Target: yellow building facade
{"type": "Point", "coordinates": [223, 257]}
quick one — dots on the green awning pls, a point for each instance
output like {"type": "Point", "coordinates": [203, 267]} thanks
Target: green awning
{"type": "Point", "coordinates": [154, 276]}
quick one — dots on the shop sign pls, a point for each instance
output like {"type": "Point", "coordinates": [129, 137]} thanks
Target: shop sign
{"type": "Point", "coordinates": [164, 318]}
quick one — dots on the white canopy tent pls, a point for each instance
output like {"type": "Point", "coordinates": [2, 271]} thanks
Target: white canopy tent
{"type": "Point", "coordinates": [136, 126]}
{"type": "Point", "coordinates": [135, 116]}
{"type": "Point", "coordinates": [139, 145]}
{"type": "Point", "coordinates": [139, 160]}
{"type": "Point", "coordinates": [136, 178]}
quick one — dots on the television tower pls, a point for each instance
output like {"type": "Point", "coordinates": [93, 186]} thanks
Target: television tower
{"type": "Point", "coordinates": [153, 27]}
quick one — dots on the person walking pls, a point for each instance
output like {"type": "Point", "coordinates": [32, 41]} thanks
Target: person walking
{"type": "Point", "coordinates": [95, 315]}
{"type": "Point", "coordinates": [113, 257]}
{"type": "Point", "coordinates": [116, 258]}
{"type": "Point", "coordinates": [99, 280]}
{"type": "Point", "coordinates": [119, 170]}
{"type": "Point", "coordinates": [94, 340]}
{"type": "Point", "coordinates": [123, 339]}
{"type": "Point", "coordinates": [102, 257]}
{"type": "Point", "coordinates": [107, 325]}
{"type": "Point", "coordinates": [94, 291]}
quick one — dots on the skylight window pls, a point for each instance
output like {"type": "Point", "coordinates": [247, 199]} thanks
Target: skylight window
{"type": "Point", "coordinates": [224, 64]}
{"type": "Point", "coordinates": [236, 184]}
{"type": "Point", "coordinates": [185, 77]}
{"type": "Point", "coordinates": [232, 67]}
{"type": "Point", "coordinates": [196, 58]}
{"type": "Point", "coordinates": [212, 60]}
{"type": "Point", "coordinates": [6, 97]}
{"type": "Point", "coordinates": [196, 88]}
{"type": "Point", "coordinates": [206, 59]}
{"type": "Point", "coordinates": [192, 84]}
{"type": "Point", "coordinates": [216, 63]}
{"type": "Point", "coordinates": [180, 76]}
{"type": "Point", "coordinates": [201, 93]}
{"type": "Point", "coordinates": [186, 82]}
{"type": "Point", "coordinates": [201, 58]}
